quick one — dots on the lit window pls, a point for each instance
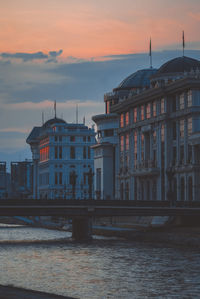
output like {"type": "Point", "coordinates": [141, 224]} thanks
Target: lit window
{"type": "Point", "coordinates": [182, 128]}
{"type": "Point", "coordinates": [182, 103]}
{"type": "Point", "coordinates": [122, 120]}
{"type": "Point", "coordinates": [142, 112]}
{"type": "Point", "coordinates": [148, 110]}
{"type": "Point", "coordinates": [127, 142]}
{"type": "Point", "coordinates": [162, 108]}
{"type": "Point", "coordinates": [122, 143]}
{"type": "Point", "coordinates": [163, 133]}
{"type": "Point", "coordinates": [127, 118]}
{"type": "Point", "coordinates": [154, 108]}
{"type": "Point", "coordinates": [189, 98]}
{"type": "Point", "coordinates": [135, 115]}
{"type": "Point", "coordinates": [189, 126]}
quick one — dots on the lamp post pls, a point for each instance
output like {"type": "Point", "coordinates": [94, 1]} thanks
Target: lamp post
{"type": "Point", "coordinates": [170, 196]}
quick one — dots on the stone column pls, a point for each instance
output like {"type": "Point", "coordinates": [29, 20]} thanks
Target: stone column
{"type": "Point", "coordinates": [82, 228]}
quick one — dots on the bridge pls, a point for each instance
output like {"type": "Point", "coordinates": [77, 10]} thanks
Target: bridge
{"type": "Point", "coordinates": [82, 211]}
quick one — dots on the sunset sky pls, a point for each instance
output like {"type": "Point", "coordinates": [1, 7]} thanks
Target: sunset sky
{"type": "Point", "coordinates": [75, 51]}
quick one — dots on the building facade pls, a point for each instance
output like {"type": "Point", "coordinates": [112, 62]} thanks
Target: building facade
{"type": "Point", "coordinates": [3, 180]}
{"type": "Point", "coordinates": [63, 160]}
{"type": "Point", "coordinates": [107, 151]}
{"type": "Point", "coordinates": [22, 179]}
{"type": "Point", "coordinates": [159, 136]}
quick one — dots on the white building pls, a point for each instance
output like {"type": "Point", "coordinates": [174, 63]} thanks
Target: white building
{"type": "Point", "coordinates": [63, 160]}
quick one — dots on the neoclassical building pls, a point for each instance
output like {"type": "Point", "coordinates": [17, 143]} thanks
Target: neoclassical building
{"type": "Point", "coordinates": [107, 164]}
{"type": "Point", "coordinates": [63, 160]}
{"type": "Point", "coordinates": [159, 135]}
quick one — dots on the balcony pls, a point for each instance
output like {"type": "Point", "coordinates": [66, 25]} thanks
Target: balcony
{"type": "Point", "coordinates": [146, 168]}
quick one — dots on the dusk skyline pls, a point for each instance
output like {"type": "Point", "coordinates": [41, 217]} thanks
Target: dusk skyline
{"type": "Point", "coordinates": [74, 52]}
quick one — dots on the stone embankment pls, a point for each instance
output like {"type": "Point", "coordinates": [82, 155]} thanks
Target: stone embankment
{"type": "Point", "coordinates": [10, 292]}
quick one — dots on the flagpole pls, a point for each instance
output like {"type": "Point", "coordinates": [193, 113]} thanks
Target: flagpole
{"type": "Point", "coordinates": [150, 54]}
{"type": "Point", "coordinates": [183, 38]}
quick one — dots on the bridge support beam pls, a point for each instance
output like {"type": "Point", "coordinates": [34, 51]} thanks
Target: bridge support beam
{"type": "Point", "coordinates": [82, 228]}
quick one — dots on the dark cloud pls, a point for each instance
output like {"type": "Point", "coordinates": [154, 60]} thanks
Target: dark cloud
{"type": "Point", "coordinates": [25, 56]}
{"type": "Point", "coordinates": [55, 54]}
{"type": "Point", "coordinates": [33, 56]}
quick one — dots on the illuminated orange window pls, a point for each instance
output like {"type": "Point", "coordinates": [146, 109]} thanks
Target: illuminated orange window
{"type": "Point", "coordinates": [127, 118]}
{"type": "Point", "coordinates": [122, 143]}
{"type": "Point", "coordinates": [122, 120]}
{"type": "Point", "coordinates": [148, 111]}
{"type": "Point", "coordinates": [134, 115]}
{"type": "Point", "coordinates": [127, 142]}
{"type": "Point", "coordinates": [142, 112]}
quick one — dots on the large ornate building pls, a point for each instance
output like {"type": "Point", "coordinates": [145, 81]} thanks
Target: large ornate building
{"type": "Point", "coordinates": [63, 160]}
{"type": "Point", "coordinates": [159, 133]}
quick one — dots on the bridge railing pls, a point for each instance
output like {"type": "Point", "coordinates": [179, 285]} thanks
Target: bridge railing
{"type": "Point", "coordinates": [71, 202]}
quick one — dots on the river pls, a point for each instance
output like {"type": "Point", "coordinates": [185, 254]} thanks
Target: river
{"type": "Point", "coordinates": [49, 261]}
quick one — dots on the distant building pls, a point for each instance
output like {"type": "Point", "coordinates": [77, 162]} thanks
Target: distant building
{"type": "Point", "coordinates": [63, 160]}
{"type": "Point", "coordinates": [3, 180]}
{"type": "Point", "coordinates": [22, 179]}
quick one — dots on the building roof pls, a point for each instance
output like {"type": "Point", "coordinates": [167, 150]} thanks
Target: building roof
{"type": "Point", "coordinates": [178, 65]}
{"type": "Point", "coordinates": [33, 135]}
{"type": "Point", "coordinates": [53, 121]}
{"type": "Point", "coordinates": [139, 79]}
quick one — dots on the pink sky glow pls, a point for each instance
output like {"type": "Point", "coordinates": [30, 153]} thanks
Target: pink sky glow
{"type": "Point", "coordinates": [94, 28]}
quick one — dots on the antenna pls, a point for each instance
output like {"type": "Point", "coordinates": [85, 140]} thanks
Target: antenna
{"type": "Point", "coordinates": [55, 108]}
{"type": "Point", "coordinates": [84, 120]}
{"type": "Point", "coordinates": [183, 38]}
{"type": "Point", "coordinates": [150, 54]}
{"type": "Point", "coordinates": [42, 117]}
{"type": "Point", "coordinates": [77, 113]}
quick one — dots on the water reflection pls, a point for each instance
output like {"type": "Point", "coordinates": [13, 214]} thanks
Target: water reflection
{"type": "Point", "coordinates": [101, 269]}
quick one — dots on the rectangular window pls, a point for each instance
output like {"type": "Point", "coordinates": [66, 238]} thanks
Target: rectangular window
{"type": "Point", "coordinates": [108, 132]}
{"type": "Point", "coordinates": [142, 147]}
{"type": "Point", "coordinates": [154, 108]}
{"type": "Point", "coordinates": [174, 130]}
{"type": "Point", "coordinates": [135, 148]}
{"type": "Point", "coordinates": [142, 112]}
{"type": "Point", "coordinates": [189, 98]}
{"type": "Point", "coordinates": [60, 178]}
{"type": "Point", "coordinates": [107, 107]}
{"type": "Point", "coordinates": [89, 138]}
{"type": "Point", "coordinates": [84, 138]}
{"type": "Point", "coordinates": [98, 179]}
{"type": "Point", "coordinates": [163, 133]}
{"type": "Point", "coordinates": [60, 152]}
{"type": "Point", "coordinates": [189, 126]}
{"type": "Point", "coordinates": [72, 138]}
{"type": "Point", "coordinates": [182, 128]}
{"type": "Point", "coordinates": [148, 110]}
{"type": "Point", "coordinates": [127, 118]}
{"type": "Point", "coordinates": [72, 152]}
{"type": "Point", "coordinates": [88, 152]}
{"type": "Point", "coordinates": [154, 137]}
{"type": "Point", "coordinates": [162, 106]}
{"type": "Point", "coordinates": [182, 101]}
{"type": "Point", "coordinates": [84, 152]}
{"type": "Point", "coordinates": [60, 138]}
{"type": "Point", "coordinates": [127, 142]}
{"type": "Point", "coordinates": [135, 115]}
{"type": "Point", "coordinates": [121, 120]}
{"type": "Point", "coordinates": [122, 143]}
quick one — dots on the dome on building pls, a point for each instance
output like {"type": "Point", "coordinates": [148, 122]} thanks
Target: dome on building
{"type": "Point", "coordinates": [53, 121]}
{"type": "Point", "coordinates": [139, 79]}
{"type": "Point", "coordinates": [178, 65]}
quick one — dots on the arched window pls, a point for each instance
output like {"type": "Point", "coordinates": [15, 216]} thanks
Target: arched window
{"type": "Point", "coordinates": [182, 189]}
{"type": "Point", "coordinates": [127, 191]}
{"type": "Point", "coordinates": [174, 189]}
{"type": "Point", "coordinates": [190, 195]}
{"type": "Point", "coordinates": [122, 191]}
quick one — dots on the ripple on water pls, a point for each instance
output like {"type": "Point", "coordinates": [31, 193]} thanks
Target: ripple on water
{"type": "Point", "coordinates": [101, 269]}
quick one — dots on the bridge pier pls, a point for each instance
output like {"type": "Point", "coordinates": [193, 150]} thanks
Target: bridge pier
{"type": "Point", "coordinates": [82, 228]}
